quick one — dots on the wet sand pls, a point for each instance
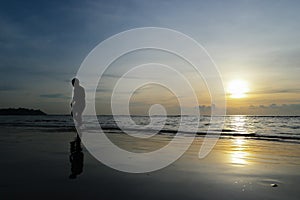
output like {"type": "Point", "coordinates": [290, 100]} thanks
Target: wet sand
{"type": "Point", "coordinates": [35, 164]}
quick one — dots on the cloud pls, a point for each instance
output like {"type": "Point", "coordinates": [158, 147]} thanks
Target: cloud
{"type": "Point", "coordinates": [4, 88]}
{"type": "Point", "coordinates": [271, 109]}
{"type": "Point", "coordinates": [276, 91]}
{"type": "Point", "coordinates": [274, 105]}
{"type": "Point", "coordinates": [54, 96]}
{"type": "Point", "coordinates": [121, 76]}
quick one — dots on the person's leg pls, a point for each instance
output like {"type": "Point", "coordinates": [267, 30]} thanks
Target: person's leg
{"type": "Point", "coordinates": [77, 114]}
{"type": "Point", "coordinates": [79, 117]}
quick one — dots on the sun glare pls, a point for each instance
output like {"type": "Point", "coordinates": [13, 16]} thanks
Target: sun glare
{"type": "Point", "coordinates": [238, 89]}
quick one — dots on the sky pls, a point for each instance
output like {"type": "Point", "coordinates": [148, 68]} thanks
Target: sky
{"type": "Point", "coordinates": [43, 43]}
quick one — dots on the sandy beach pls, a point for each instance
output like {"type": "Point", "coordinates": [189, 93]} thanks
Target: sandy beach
{"type": "Point", "coordinates": [35, 164]}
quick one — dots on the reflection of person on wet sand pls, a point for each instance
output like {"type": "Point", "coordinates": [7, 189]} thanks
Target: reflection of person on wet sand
{"type": "Point", "coordinates": [78, 101]}
{"type": "Point", "coordinates": [76, 158]}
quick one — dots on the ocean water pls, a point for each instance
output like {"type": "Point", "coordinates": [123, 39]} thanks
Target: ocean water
{"type": "Point", "coordinates": [281, 128]}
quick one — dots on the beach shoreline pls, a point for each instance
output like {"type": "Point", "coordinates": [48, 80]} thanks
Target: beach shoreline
{"type": "Point", "coordinates": [36, 165]}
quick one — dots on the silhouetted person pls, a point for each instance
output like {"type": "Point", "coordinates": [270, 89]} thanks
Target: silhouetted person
{"type": "Point", "coordinates": [76, 158]}
{"type": "Point", "coordinates": [78, 101]}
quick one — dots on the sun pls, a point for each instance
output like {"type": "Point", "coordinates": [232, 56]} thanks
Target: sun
{"type": "Point", "coordinates": [238, 88]}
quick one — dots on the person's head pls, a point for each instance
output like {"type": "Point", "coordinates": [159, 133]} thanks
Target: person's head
{"type": "Point", "coordinates": [75, 82]}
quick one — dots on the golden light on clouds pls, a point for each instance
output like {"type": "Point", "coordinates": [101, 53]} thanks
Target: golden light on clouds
{"type": "Point", "coordinates": [238, 88]}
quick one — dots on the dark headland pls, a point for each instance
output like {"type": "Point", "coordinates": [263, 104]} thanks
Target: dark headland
{"type": "Point", "coordinates": [20, 111]}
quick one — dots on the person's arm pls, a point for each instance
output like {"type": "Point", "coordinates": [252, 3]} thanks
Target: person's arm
{"type": "Point", "coordinates": [73, 101]}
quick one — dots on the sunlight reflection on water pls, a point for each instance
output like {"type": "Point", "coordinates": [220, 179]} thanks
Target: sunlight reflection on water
{"type": "Point", "coordinates": [239, 153]}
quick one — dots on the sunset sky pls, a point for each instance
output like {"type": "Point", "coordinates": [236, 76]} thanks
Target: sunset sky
{"type": "Point", "coordinates": [255, 44]}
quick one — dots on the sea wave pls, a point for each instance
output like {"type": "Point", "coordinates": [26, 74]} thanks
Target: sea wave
{"type": "Point", "coordinates": [274, 128]}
